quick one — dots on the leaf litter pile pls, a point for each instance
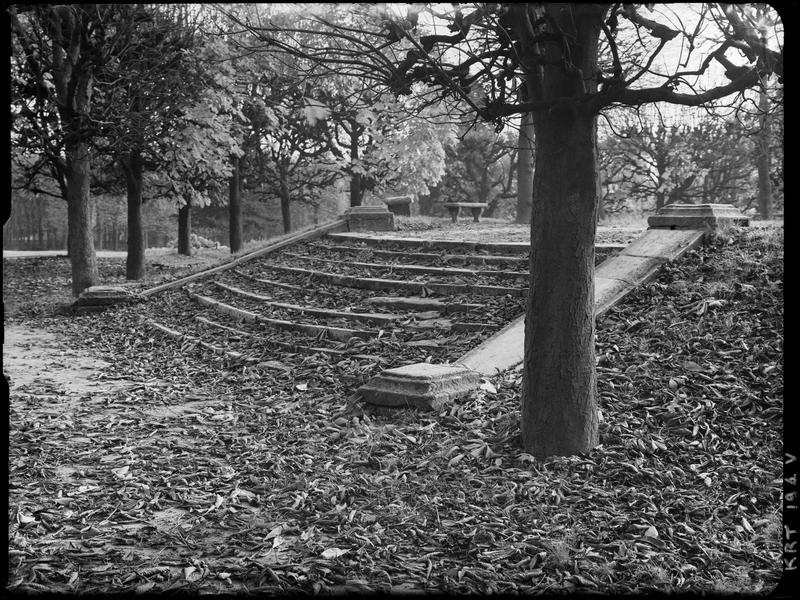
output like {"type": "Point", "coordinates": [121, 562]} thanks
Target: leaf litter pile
{"type": "Point", "coordinates": [207, 475]}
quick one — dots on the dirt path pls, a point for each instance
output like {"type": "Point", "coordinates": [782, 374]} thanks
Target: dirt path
{"type": "Point", "coordinates": [37, 362]}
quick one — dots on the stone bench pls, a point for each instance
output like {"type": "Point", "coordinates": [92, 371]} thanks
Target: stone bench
{"type": "Point", "coordinates": [475, 207]}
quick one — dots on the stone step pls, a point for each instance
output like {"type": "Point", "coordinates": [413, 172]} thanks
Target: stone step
{"type": "Point", "coordinates": [419, 304]}
{"type": "Point", "coordinates": [278, 284]}
{"type": "Point", "coordinates": [411, 242]}
{"type": "Point", "coordinates": [515, 247]}
{"type": "Point", "coordinates": [370, 283]}
{"type": "Point", "coordinates": [443, 271]}
{"type": "Point", "coordinates": [337, 333]}
{"type": "Point", "coordinates": [291, 347]}
{"type": "Point", "coordinates": [185, 337]}
{"type": "Point", "coordinates": [385, 318]}
{"type": "Point", "coordinates": [478, 259]}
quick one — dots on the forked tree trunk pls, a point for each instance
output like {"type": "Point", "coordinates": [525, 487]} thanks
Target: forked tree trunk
{"type": "Point", "coordinates": [525, 169]}
{"type": "Point", "coordinates": [135, 259]}
{"type": "Point", "coordinates": [184, 229]}
{"type": "Point", "coordinates": [80, 209]}
{"type": "Point", "coordinates": [235, 209]}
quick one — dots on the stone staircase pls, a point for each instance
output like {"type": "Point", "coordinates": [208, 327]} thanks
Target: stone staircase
{"type": "Point", "coordinates": [407, 321]}
{"type": "Point", "coordinates": [376, 300]}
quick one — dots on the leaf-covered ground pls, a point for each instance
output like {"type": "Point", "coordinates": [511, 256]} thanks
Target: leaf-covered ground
{"type": "Point", "coordinates": [172, 469]}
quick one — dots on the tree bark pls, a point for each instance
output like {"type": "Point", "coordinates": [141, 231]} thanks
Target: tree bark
{"type": "Point", "coordinates": [80, 209]}
{"type": "Point", "coordinates": [763, 159]}
{"type": "Point", "coordinates": [356, 184]}
{"type": "Point", "coordinates": [525, 169]}
{"type": "Point", "coordinates": [135, 259]}
{"type": "Point", "coordinates": [235, 209]}
{"type": "Point", "coordinates": [559, 414]}
{"type": "Point", "coordinates": [285, 196]}
{"type": "Point", "coordinates": [184, 229]}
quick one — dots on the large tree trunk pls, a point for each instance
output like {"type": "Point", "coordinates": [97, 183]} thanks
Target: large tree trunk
{"type": "Point", "coordinates": [80, 209]}
{"type": "Point", "coordinates": [525, 169]}
{"type": "Point", "coordinates": [763, 159]}
{"type": "Point", "coordinates": [135, 260]}
{"type": "Point", "coordinates": [184, 229]}
{"type": "Point", "coordinates": [559, 413]}
{"type": "Point", "coordinates": [235, 209]}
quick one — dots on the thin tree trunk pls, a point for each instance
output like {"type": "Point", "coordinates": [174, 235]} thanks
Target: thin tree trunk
{"type": "Point", "coordinates": [763, 160]}
{"type": "Point", "coordinates": [80, 208]}
{"type": "Point", "coordinates": [286, 206]}
{"type": "Point", "coordinates": [235, 209]}
{"type": "Point", "coordinates": [135, 260]}
{"type": "Point", "coordinates": [356, 180]}
{"type": "Point", "coordinates": [184, 229]}
{"type": "Point", "coordinates": [659, 201]}
{"type": "Point", "coordinates": [525, 169]}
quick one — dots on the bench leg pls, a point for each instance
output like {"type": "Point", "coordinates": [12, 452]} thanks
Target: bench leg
{"type": "Point", "coordinates": [476, 214]}
{"type": "Point", "coordinates": [454, 212]}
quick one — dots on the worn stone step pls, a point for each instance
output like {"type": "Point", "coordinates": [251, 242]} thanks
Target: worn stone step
{"type": "Point", "coordinates": [185, 337]}
{"type": "Point", "coordinates": [370, 283]}
{"type": "Point", "coordinates": [478, 259]}
{"type": "Point", "coordinates": [279, 284]}
{"type": "Point", "coordinates": [385, 318]}
{"type": "Point", "coordinates": [443, 271]}
{"type": "Point", "coordinates": [337, 333]}
{"type": "Point", "coordinates": [515, 247]}
{"type": "Point", "coordinates": [291, 347]}
{"type": "Point", "coordinates": [416, 303]}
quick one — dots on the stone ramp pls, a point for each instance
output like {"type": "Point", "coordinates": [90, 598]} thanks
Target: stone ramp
{"type": "Point", "coordinates": [614, 279]}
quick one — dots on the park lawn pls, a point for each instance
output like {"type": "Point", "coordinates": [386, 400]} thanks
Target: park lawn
{"type": "Point", "coordinates": [212, 477]}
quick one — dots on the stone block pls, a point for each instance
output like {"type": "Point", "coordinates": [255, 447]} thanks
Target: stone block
{"type": "Point", "coordinates": [697, 216]}
{"type": "Point", "coordinates": [399, 205]}
{"type": "Point", "coordinates": [98, 297]}
{"type": "Point", "coordinates": [421, 385]}
{"type": "Point", "coordinates": [369, 218]}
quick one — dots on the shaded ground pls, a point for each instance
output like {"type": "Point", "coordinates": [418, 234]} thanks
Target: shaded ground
{"type": "Point", "coordinates": [192, 473]}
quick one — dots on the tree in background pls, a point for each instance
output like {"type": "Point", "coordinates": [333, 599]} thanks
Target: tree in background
{"type": "Point", "coordinates": [646, 163]}
{"type": "Point", "coordinates": [387, 145]}
{"type": "Point", "coordinates": [56, 52]}
{"type": "Point", "coordinates": [166, 106]}
{"type": "Point", "coordinates": [481, 167]}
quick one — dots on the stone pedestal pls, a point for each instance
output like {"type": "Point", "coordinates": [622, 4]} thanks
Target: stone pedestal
{"type": "Point", "coordinates": [369, 218]}
{"type": "Point", "coordinates": [421, 385]}
{"type": "Point", "coordinates": [100, 297]}
{"type": "Point", "coordinates": [399, 205]}
{"type": "Point", "coordinates": [697, 216]}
